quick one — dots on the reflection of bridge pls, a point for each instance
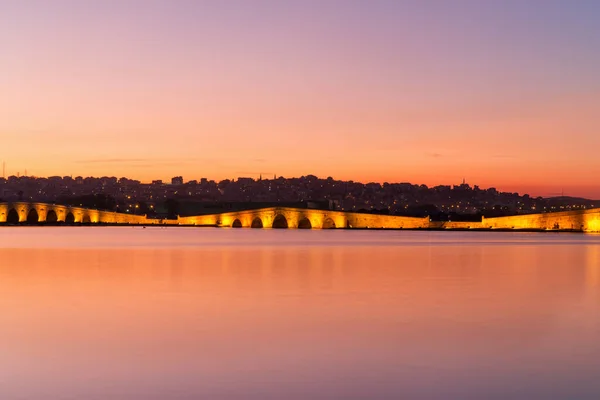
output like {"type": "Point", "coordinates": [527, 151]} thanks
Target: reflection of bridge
{"type": "Point", "coordinates": [285, 217]}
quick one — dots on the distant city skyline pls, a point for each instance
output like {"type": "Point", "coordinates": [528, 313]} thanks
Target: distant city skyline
{"type": "Point", "coordinates": [268, 176]}
{"type": "Point", "coordinates": [504, 94]}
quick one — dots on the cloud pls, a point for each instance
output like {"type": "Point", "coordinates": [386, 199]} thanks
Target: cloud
{"type": "Point", "coordinates": [113, 160]}
{"type": "Point", "coordinates": [160, 163]}
{"type": "Point", "coordinates": [249, 173]}
{"type": "Point", "coordinates": [140, 162]}
{"type": "Point", "coordinates": [434, 155]}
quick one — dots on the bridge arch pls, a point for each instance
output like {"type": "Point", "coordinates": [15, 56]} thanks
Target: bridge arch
{"type": "Point", "coordinates": [51, 217]}
{"type": "Point", "coordinates": [328, 224]}
{"type": "Point", "coordinates": [280, 222]}
{"type": "Point", "coordinates": [236, 223]}
{"type": "Point", "coordinates": [304, 223]}
{"type": "Point", "coordinates": [12, 217]}
{"type": "Point", "coordinates": [70, 218]}
{"type": "Point", "coordinates": [86, 219]}
{"type": "Point", "coordinates": [257, 223]}
{"type": "Point", "coordinates": [32, 216]}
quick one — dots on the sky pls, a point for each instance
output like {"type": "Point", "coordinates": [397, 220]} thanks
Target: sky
{"type": "Point", "coordinates": [504, 94]}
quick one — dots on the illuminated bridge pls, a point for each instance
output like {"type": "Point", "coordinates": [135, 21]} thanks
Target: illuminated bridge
{"type": "Point", "coordinates": [274, 217]}
{"type": "Point", "coordinates": [32, 213]}
{"type": "Point", "coordinates": [301, 218]}
{"type": "Point", "coordinates": [297, 218]}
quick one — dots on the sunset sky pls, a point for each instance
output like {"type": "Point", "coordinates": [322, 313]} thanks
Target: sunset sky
{"type": "Point", "coordinates": [501, 93]}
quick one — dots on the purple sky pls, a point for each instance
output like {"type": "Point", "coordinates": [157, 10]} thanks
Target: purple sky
{"type": "Point", "coordinates": [503, 93]}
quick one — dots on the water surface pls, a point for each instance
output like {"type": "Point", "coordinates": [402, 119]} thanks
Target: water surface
{"type": "Point", "coordinates": [103, 313]}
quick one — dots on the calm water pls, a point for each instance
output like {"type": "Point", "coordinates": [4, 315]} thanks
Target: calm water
{"type": "Point", "coordinates": [176, 313]}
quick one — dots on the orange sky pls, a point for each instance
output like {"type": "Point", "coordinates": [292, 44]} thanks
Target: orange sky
{"type": "Point", "coordinates": [371, 92]}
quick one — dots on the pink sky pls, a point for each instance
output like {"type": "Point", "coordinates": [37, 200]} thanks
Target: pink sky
{"type": "Point", "coordinates": [504, 95]}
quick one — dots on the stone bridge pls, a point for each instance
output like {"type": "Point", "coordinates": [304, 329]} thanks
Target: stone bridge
{"type": "Point", "coordinates": [274, 217]}
{"type": "Point", "coordinates": [579, 220]}
{"type": "Point", "coordinates": [23, 212]}
{"type": "Point", "coordinates": [284, 217]}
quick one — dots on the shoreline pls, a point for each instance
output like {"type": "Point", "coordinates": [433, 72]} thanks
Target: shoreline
{"type": "Point", "coordinates": [101, 225]}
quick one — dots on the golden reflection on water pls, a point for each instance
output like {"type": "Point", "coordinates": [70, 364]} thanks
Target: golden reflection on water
{"type": "Point", "coordinates": [266, 321]}
{"type": "Point", "coordinates": [593, 267]}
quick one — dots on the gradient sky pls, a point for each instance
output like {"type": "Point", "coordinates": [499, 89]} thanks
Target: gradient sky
{"type": "Point", "coordinates": [502, 93]}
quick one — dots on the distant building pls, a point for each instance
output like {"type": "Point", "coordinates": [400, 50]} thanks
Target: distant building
{"type": "Point", "coordinates": [245, 181]}
{"type": "Point", "coordinates": [178, 180]}
{"type": "Point", "coordinates": [157, 182]}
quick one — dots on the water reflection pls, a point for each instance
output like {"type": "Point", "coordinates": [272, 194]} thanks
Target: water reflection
{"type": "Point", "coordinates": [431, 318]}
